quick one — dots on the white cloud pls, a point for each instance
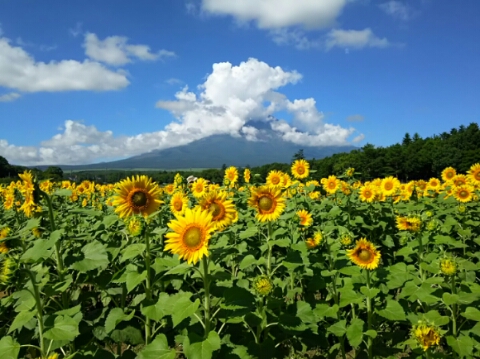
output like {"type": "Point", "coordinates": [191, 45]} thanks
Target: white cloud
{"type": "Point", "coordinates": [230, 97]}
{"type": "Point", "coordinates": [397, 9]}
{"type": "Point", "coordinates": [295, 37]}
{"type": "Point", "coordinates": [354, 39]}
{"type": "Point", "coordinates": [20, 71]}
{"type": "Point", "coordinates": [358, 138]}
{"type": "Point", "coordinates": [174, 81]}
{"type": "Point", "coordinates": [114, 50]}
{"type": "Point", "coordinates": [12, 96]}
{"type": "Point", "coordinates": [355, 118]}
{"type": "Point", "coordinates": [274, 14]}
{"type": "Point", "coordinates": [77, 30]}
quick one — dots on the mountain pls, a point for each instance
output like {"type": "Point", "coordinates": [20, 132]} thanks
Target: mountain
{"type": "Point", "coordinates": [217, 150]}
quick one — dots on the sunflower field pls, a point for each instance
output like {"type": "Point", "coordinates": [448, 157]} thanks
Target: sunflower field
{"type": "Point", "coordinates": [293, 268]}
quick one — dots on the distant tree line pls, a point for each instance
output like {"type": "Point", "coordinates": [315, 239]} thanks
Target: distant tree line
{"type": "Point", "coordinates": [414, 158]}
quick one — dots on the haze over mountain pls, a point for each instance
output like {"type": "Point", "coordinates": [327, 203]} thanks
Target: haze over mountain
{"type": "Point", "coordinates": [262, 146]}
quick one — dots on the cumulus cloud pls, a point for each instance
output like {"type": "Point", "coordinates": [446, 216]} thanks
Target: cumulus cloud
{"type": "Point", "coordinates": [115, 51]}
{"type": "Point", "coordinates": [20, 71]}
{"type": "Point", "coordinates": [355, 118]}
{"type": "Point", "coordinates": [354, 39]}
{"type": "Point", "coordinates": [274, 14]}
{"type": "Point", "coordinates": [228, 102]}
{"type": "Point", "coordinates": [397, 10]}
{"type": "Point", "coordinates": [12, 96]}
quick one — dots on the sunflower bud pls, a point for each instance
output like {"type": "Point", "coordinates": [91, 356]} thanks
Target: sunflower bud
{"type": "Point", "coordinates": [448, 266]}
{"type": "Point", "coordinates": [135, 226]}
{"type": "Point", "coordinates": [263, 285]}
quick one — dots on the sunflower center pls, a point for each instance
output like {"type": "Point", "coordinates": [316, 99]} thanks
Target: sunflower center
{"type": "Point", "coordinates": [192, 237]}
{"type": "Point", "coordinates": [178, 205]}
{"type": "Point", "coordinates": [139, 199]}
{"type": "Point", "coordinates": [216, 210]}
{"type": "Point", "coordinates": [301, 170]}
{"type": "Point", "coordinates": [463, 194]}
{"type": "Point", "coordinates": [364, 255]}
{"type": "Point", "coordinates": [332, 185]}
{"type": "Point", "coordinates": [368, 194]}
{"type": "Point", "coordinates": [388, 186]}
{"type": "Point", "coordinates": [265, 203]}
{"type": "Point", "coordinates": [275, 180]}
{"type": "Point", "coordinates": [477, 176]}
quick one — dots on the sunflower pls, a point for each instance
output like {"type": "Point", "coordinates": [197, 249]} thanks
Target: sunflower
{"type": "Point", "coordinates": [463, 193]}
{"type": "Point", "coordinates": [389, 185]}
{"type": "Point", "coordinates": [331, 184]}
{"type": "Point", "coordinates": [448, 266]}
{"type": "Point", "coordinates": [346, 239]}
{"type": "Point", "coordinates": [246, 175]}
{"type": "Point", "coordinates": [268, 201]}
{"type": "Point", "coordinates": [190, 235]}
{"type": "Point", "coordinates": [4, 232]}
{"type": "Point", "coordinates": [136, 195]}
{"type": "Point", "coordinates": [305, 218]}
{"type": "Point", "coordinates": [434, 184]}
{"type": "Point", "coordinates": [231, 173]}
{"type": "Point", "coordinates": [222, 209]}
{"type": "Point", "coordinates": [178, 203]}
{"type": "Point", "coordinates": [349, 172]}
{"type": "Point", "coordinates": [199, 187]}
{"type": "Point", "coordinates": [367, 193]}
{"type": "Point", "coordinates": [300, 169]}
{"type": "Point", "coordinates": [474, 174]}
{"type": "Point", "coordinates": [6, 270]}
{"type": "Point", "coordinates": [460, 180]}
{"type": "Point", "coordinates": [314, 241]}
{"type": "Point", "coordinates": [169, 188]}
{"type": "Point", "coordinates": [287, 180]}
{"type": "Point", "coordinates": [135, 226]}
{"type": "Point", "coordinates": [421, 185]}
{"type": "Point", "coordinates": [263, 285]}
{"type": "Point", "coordinates": [3, 247]}
{"type": "Point", "coordinates": [364, 255]}
{"type": "Point", "coordinates": [426, 335]}
{"type": "Point", "coordinates": [274, 178]}
{"type": "Point", "coordinates": [412, 224]}
{"type": "Point", "coordinates": [448, 174]}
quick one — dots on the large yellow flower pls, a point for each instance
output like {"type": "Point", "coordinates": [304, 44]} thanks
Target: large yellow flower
{"type": "Point", "coordinates": [305, 218]}
{"type": "Point", "coordinates": [246, 175]}
{"type": "Point", "coordinates": [268, 201]}
{"type": "Point", "coordinates": [474, 174]}
{"type": "Point", "coordinates": [222, 209]}
{"type": "Point", "coordinates": [367, 193]}
{"type": "Point", "coordinates": [331, 184]}
{"type": "Point", "coordinates": [199, 187]}
{"type": "Point", "coordinates": [274, 178]}
{"type": "Point", "coordinates": [460, 180]}
{"type": "Point", "coordinates": [178, 203]}
{"type": "Point", "coordinates": [190, 235]}
{"type": "Point", "coordinates": [448, 174]}
{"type": "Point", "coordinates": [231, 173]}
{"type": "Point", "coordinates": [300, 169]}
{"type": "Point", "coordinates": [136, 195]}
{"type": "Point", "coordinates": [364, 255]}
{"type": "Point", "coordinates": [463, 193]}
{"type": "Point", "coordinates": [389, 185]}
{"type": "Point", "coordinates": [426, 335]}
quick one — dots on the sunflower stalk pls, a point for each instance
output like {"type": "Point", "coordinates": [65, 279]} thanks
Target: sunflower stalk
{"type": "Point", "coordinates": [39, 305]}
{"type": "Point", "coordinates": [454, 309]}
{"type": "Point", "coordinates": [206, 284]}
{"type": "Point", "coordinates": [269, 255]}
{"type": "Point", "coordinates": [148, 284]}
{"type": "Point", "coordinates": [369, 316]}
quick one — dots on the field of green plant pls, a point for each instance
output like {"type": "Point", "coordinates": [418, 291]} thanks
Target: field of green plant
{"type": "Point", "coordinates": [294, 268]}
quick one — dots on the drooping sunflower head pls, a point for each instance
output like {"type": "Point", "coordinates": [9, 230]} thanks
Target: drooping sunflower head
{"type": "Point", "coordinates": [3, 247]}
{"type": "Point", "coordinates": [263, 285]}
{"type": "Point", "coordinates": [300, 169]}
{"type": "Point", "coordinates": [474, 174]}
{"type": "Point", "coordinates": [136, 195]}
{"type": "Point", "coordinates": [6, 270]}
{"type": "Point", "coordinates": [231, 173]}
{"type": "Point", "coordinates": [463, 193]}
{"type": "Point", "coordinates": [5, 232]}
{"type": "Point", "coordinates": [268, 202]}
{"type": "Point", "coordinates": [331, 184]}
{"type": "Point", "coordinates": [246, 175]}
{"type": "Point", "coordinates": [222, 209]}
{"type": "Point", "coordinates": [190, 234]}
{"type": "Point", "coordinates": [426, 335]}
{"type": "Point", "coordinates": [314, 241]}
{"type": "Point", "coordinates": [364, 255]}
{"type": "Point", "coordinates": [448, 266]}
{"type": "Point", "coordinates": [178, 203]}
{"type": "Point", "coordinates": [349, 172]}
{"type": "Point", "coordinates": [274, 178]}
{"type": "Point", "coordinates": [305, 218]}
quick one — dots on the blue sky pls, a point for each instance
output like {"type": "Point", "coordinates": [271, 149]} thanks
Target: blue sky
{"type": "Point", "coordinates": [90, 81]}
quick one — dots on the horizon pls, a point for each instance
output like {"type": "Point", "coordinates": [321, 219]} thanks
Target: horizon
{"type": "Point", "coordinates": [108, 81]}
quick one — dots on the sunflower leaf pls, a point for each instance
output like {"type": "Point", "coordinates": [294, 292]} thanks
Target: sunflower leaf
{"type": "Point", "coordinates": [158, 349]}
{"type": "Point", "coordinates": [9, 348]}
{"type": "Point", "coordinates": [183, 309]}
{"type": "Point", "coordinates": [355, 332]}
{"type": "Point", "coordinates": [393, 311]}
{"type": "Point", "coordinates": [196, 348]}
{"type": "Point", "coordinates": [95, 256]}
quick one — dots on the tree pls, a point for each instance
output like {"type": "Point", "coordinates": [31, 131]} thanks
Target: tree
{"type": "Point", "coordinates": [53, 173]}
{"type": "Point", "coordinates": [298, 155]}
{"type": "Point", "coordinates": [4, 167]}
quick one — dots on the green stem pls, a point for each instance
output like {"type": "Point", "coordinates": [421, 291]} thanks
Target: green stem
{"type": "Point", "coordinates": [148, 290]}
{"type": "Point", "coordinates": [39, 305]}
{"type": "Point", "coordinates": [269, 255]}
{"type": "Point", "coordinates": [369, 314]}
{"type": "Point", "coordinates": [206, 284]}
{"type": "Point", "coordinates": [454, 309]}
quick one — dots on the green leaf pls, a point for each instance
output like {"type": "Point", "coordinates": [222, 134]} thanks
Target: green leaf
{"type": "Point", "coordinates": [338, 329]}
{"type": "Point", "coordinates": [21, 319]}
{"type": "Point", "coordinates": [472, 313]}
{"type": "Point", "coordinates": [180, 269]}
{"type": "Point", "coordinates": [116, 316]}
{"type": "Point", "coordinates": [463, 345]}
{"type": "Point", "coordinates": [158, 349]}
{"type": "Point", "coordinates": [63, 192]}
{"type": "Point", "coordinates": [249, 232]}
{"type": "Point", "coordinates": [134, 278]}
{"type": "Point", "coordinates": [247, 261]}
{"type": "Point", "coordinates": [349, 296]}
{"type": "Point", "coordinates": [9, 348]}
{"type": "Point", "coordinates": [355, 332]}
{"type": "Point", "coordinates": [450, 299]}
{"type": "Point", "coordinates": [369, 292]}
{"type": "Point", "coordinates": [184, 308]}
{"type": "Point", "coordinates": [371, 333]}
{"type": "Point", "coordinates": [325, 310]}
{"type": "Point", "coordinates": [196, 348]}
{"type": "Point", "coordinates": [95, 256]}
{"type": "Point", "coordinates": [40, 250]}
{"type": "Point", "coordinates": [64, 328]}
{"type": "Point", "coordinates": [132, 251]}
{"type": "Point", "coordinates": [165, 263]}
{"type": "Point", "coordinates": [304, 312]}
{"type": "Point", "coordinates": [350, 270]}
{"type": "Point", "coordinates": [156, 311]}
{"type": "Point", "coordinates": [393, 311]}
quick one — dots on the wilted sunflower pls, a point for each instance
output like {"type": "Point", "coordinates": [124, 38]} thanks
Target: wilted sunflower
{"type": "Point", "coordinates": [136, 195]}
{"type": "Point", "coordinates": [331, 184]}
{"type": "Point", "coordinates": [305, 218]}
{"type": "Point", "coordinates": [463, 193]}
{"type": "Point", "coordinates": [474, 174]}
{"type": "Point", "coordinates": [426, 335]}
{"type": "Point", "coordinates": [300, 169]}
{"type": "Point", "coordinates": [231, 173]}
{"type": "Point", "coordinates": [268, 201]}
{"type": "Point", "coordinates": [222, 209]}
{"type": "Point", "coordinates": [190, 235]}
{"type": "Point", "coordinates": [274, 178]}
{"type": "Point", "coordinates": [178, 203]}
{"type": "Point", "coordinates": [364, 255]}
{"type": "Point", "coordinates": [246, 175]}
